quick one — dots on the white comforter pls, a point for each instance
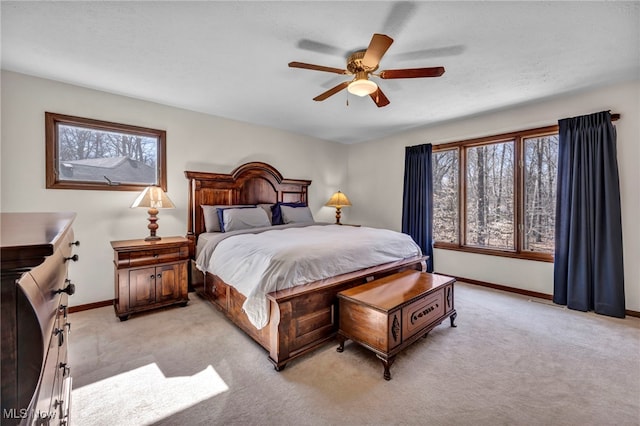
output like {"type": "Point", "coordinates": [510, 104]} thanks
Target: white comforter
{"type": "Point", "coordinates": [267, 259]}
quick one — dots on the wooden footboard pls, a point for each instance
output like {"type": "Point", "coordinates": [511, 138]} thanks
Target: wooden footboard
{"type": "Point", "coordinates": [301, 318]}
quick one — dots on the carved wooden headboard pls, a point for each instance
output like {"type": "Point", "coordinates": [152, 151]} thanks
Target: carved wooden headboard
{"type": "Point", "coordinates": [250, 183]}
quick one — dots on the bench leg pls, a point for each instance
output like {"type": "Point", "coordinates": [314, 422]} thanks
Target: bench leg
{"type": "Point", "coordinates": [387, 362]}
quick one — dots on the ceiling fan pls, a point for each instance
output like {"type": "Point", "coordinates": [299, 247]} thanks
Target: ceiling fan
{"type": "Point", "coordinates": [362, 64]}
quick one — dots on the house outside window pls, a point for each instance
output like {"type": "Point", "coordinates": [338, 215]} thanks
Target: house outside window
{"type": "Point", "coordinates": [496, 195]}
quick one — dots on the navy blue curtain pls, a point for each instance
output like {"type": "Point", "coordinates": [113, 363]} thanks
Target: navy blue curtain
{"type": "Point", "coordinates": [588, 269]}
{"type": "Point", "coordinates": [417, 200]}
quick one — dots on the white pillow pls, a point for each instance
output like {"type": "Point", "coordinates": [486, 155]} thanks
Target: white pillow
{"type": "Point", "coordinates": [296, 214]}
{"type": "Point", "coordinates": [235, 219]}
{"type": "Point", "coordinates": [211, 220]}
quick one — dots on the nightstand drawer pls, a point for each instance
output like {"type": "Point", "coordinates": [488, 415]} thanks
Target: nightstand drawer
{"type": "Point", "coordinates": [152, 257]}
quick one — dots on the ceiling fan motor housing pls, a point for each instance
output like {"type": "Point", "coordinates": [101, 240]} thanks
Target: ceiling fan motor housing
{"type": "Point", "coordinates": [355, 65]}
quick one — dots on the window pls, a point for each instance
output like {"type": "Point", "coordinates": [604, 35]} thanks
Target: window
{"type": "Point", "coordinates": [445, 195]}
{"type": "Point", "coordinates": [496, 195]}
{"type": "Point", "coordinates": [82, 153]}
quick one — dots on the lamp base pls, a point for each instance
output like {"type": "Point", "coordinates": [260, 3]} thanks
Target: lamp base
{"type": "Point", "coordinates": [153, 226]}
{"type": "Point", "coordinates": [338, 213]}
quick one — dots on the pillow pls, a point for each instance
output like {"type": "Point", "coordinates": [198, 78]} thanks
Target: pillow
{"type": "Point", "coordinates": [233, 219]}
{"type": "Point", "coordinates": [211, 220]}
{"type": "Point", "coordinates": [267, 208]}
{"type": "Point", "coordinates": [296, 214]}
{"type": "Point", "coordinates": [277, 214]}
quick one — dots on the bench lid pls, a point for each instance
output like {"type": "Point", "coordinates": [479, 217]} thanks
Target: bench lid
{"type": "Point", "coordinates": [394, 290]}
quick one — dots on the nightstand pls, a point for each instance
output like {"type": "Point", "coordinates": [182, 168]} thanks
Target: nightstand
{"type": "Point", "coordinates": [150, 274]}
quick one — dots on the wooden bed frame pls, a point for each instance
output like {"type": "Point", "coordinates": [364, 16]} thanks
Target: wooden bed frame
{"type": "Point", "coordinates": [301, 318]}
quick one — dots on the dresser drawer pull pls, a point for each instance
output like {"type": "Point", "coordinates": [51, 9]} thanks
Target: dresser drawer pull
{"type": "Point", "coordinates": [70, 289]}
{"type": "Point", "coordinates": [74, 243]}
{"type": "Point", "coordinates": [65, 368]}
{"type": "Point", "coordinates": [68, 326]}
{"type": "Point", "coordinates": [74, 258]}
{"type": "Point", "coordinates": [63, 309]}
{"type": "Point", "coordinates": [60, 333]}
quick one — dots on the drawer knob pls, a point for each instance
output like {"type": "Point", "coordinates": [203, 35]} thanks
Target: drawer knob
{"type": "Point", "coordinates": [74, 243]}
{"type": "Point", "coordinates": [60, 333]}
{"type": "Point", "coordinates": [65, 368]}
{"type": "Point", "coordinates": [74, 258]}
{"type": "Point", "coordinates": [70, 289]}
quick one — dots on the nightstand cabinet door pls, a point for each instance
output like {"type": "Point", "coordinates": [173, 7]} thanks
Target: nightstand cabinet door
{"type": "Point", "coordinates": [150, 275]}
{"type": "Point", "coordinates": [168, 278]}
{"type": "Point", "coordinates": [142, 287]}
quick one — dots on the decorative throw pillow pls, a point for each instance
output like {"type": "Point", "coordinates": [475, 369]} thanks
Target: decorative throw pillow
{"type": "Point", "coordinates": [277, 213]}
{"type": "Point", "coordinates": [296, 214]}
{"type": "Point", "coordinates": [232, 219]}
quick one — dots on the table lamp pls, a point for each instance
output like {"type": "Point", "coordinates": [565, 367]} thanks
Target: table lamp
{"type": "Point", "coordinates": [338, 200]}
{"type": "Point", "coordinates": [153, 198]}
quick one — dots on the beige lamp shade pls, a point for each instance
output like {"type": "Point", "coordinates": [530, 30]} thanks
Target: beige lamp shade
{"type": "Point", "coordinates": [338, 200]}
{"type": "Point", "coordinates": [153, 198]}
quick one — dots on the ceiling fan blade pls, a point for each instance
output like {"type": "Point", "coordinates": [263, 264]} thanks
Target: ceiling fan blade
{"type": "Point", "coordinates": [379, 98]}
{"type": "Point", "coordinates": [377, 48]}
{"type": "Point", "coordinates": [327, 49]}
{"type": "Point", "coordinates": [413, 73]}
{"type": "Point", "coordinates": [332, 91]}
{"type": "Point", "coordinates": [317, 67]}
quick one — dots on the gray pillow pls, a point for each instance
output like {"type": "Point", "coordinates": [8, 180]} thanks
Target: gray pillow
{"type": "Point", "coordinates": [243, 218]}
{"type": "Point", "coordinates": [211, 221]}
{"type": "Point", "coordinates": [296, 214]}
{"type": "Point", "coordinates": [267, 208]}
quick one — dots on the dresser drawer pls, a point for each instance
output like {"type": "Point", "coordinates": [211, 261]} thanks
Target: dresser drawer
{"type": "Point", "coordinates": [151, 256]}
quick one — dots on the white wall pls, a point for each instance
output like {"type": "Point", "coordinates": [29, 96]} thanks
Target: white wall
{"type": "Point", "coordinates": [376, 178]}
{"type": "Point", "coordinates": [194, 142]}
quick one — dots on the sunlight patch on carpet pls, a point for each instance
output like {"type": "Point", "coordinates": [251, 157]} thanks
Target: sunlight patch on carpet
{"type": "Point", "coordinates": [111, 401]}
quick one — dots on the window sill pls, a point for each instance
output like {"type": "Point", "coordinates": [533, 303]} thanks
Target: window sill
{"type": "Point", "coordinates": [540, 257]}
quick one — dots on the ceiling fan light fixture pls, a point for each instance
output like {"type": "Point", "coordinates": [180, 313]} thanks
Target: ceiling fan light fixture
{"type": "Point", "coordinates": [362, 87]}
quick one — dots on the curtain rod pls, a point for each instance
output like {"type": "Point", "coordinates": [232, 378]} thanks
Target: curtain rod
{"type": "Point", "coordinates": [615, 117]}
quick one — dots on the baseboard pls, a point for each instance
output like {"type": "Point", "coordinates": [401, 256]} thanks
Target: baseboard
{"type": "Point", "coordinates": [524, 292]}
{"type": "Point", "coordinates": [88, 306]}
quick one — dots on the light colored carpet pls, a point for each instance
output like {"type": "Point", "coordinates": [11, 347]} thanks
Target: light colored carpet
{"type": "Point", "coordinates": [512, 360]}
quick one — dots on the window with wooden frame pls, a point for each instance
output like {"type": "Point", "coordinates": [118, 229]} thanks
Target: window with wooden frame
{"type": "Point", "coordinates": [497, 195]}
{"type": "Point", "coordinates": [82, 153]}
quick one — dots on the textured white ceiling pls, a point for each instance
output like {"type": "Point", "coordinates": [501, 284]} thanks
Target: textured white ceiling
{"type": "Point", "coordinates": [230, 58]}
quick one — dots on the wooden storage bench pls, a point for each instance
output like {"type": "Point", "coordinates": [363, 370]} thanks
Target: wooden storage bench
{"type": "Point", "coordinates": [388, 314]}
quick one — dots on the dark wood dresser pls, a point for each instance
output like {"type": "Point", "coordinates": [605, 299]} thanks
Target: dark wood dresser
{"type": "Point", "coordinates": [36, 379]}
